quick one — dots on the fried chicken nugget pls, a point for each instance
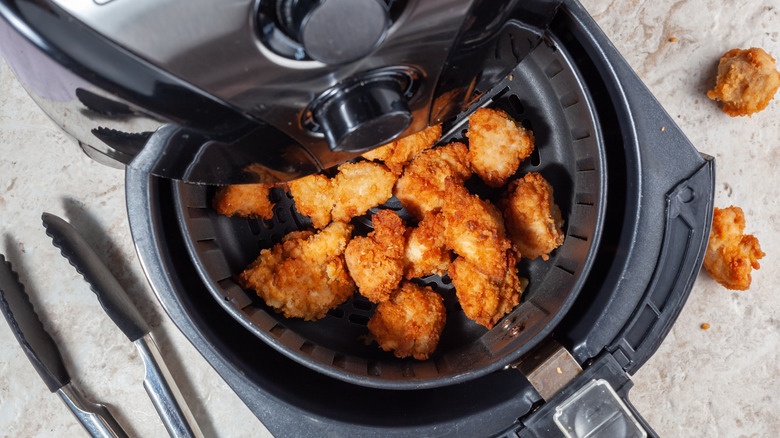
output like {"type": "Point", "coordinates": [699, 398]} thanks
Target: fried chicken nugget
{"type": "Point", "coordinates": [474, 229]}
{"type": "Point", "coordinates": [399, 153]}
{"type": "Point", "coordinates": [423, 187]}
{"type": "Point", "coordinates": [244, 200]}
{"type": "Point", "coordinates": [533, 220]}
{"type": "Point", "coordinates": [483, 299]}
{"type": "Point", "coordinates": [359, 187]}
{"type": "Point", "coordinates": [731, 255]}
{"type": "Point", "coordinates": [305, 275]}
{"type": "Point", "coordinates": [747, 81]}
{"type": "Point", "coordinates": [352, 192]}
{"type": "Point", "coordinates": [410, 322]}
{"type": "Point", "coordinates": [313, 195]}
{"type": "Point", "coordinates": [426, 252]}
{"type": "Point", "coordinates": [375, 262]}
{"type": "Point", "coordinates": [497, 145]}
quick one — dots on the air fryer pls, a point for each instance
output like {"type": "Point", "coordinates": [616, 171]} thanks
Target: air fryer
{"type": "Point", "coordinates": [636, 196]}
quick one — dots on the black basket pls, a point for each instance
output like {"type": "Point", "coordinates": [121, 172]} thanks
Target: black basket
{"type": "Point", "coordinates": [546, 94]}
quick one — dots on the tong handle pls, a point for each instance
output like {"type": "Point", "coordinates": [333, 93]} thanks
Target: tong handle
{"type": "Point", "coordinates": [165, 395]}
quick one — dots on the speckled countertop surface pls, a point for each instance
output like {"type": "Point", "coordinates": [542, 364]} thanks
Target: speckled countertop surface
{"type": "Point", "coordinates": [720, 382]}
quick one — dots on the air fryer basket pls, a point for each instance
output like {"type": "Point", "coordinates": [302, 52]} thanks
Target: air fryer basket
{"type": "Point", "coordinates": [546, 94]}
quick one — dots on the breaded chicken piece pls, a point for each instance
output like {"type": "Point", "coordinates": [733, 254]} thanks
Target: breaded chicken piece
{"type": "Point", "coordinates": [352, 192]}
{"type": "Point", "coordinates": [731, 254]}
{"type": "Point", "coordinates": [244, 200]}
{"type": "Point", "coordinates": [375, 262]}
{"type": "Point", "coordinates": [399, 153]}
{"type": "Point", "coordinates": [423, 185]}
{"type": "Point", "coordinates": [305, 275]}
{"type": "Point", "coordinates": [483, 299]}
{"type": "Point", "coordinates": [359, 187]}
{"type": "Point", "coordinates": [533, 220]}
{"type": "Point", "coordinates": [747, 81]}
{"type": "Point", "coordinates": [313, 195]}
{"type": "Point", "coordinates": [410, 323]}
{"type": "Point", "coordinates": [426, 252]}
{"type": "Point", "coordinates": [474, 229]}
{"type": "Point", "coordinates": [497, 145]}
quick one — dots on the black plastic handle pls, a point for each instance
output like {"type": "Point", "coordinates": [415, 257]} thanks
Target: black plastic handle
{"type": "Point", "coordinates": [110, 293]}
{"type": "Point", "coordinates": [28, 329]}
{"type": "Point", "coordinates": [541, 423]}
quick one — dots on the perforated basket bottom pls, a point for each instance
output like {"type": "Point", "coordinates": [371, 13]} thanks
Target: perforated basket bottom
{"type": "Point", "coordinates": [545, 94]}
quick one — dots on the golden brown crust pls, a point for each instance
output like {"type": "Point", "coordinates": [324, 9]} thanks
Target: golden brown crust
{"type": "Point", "coordinates": [399, 153]}
{"type": "Point", "coordinates": [410, 323]}
{"type": "Point", "coordinates": [244, 200]}
{"type": "Point", "coordinates": [731, 255]}
{"type": "Point", "coordinates": [483, 299]}
{"type": "Point", "coordinates": [375, 262]}
{"type": "Point", "coordinates": [356, 188]}
{"type": "Point", "coordinates": [497, 145]}
{"type": "Point", "coordinates": [747, 81]}
{"type": "Point", "coordinates": [474, 229]}
{"type": "Point", "coordinates": [313, 197]}
{"type": "Point", "coordinates": [423, 185]}
{"type": "Point", "coordinates": [533, 220]}
{"type": "Point", "coordinates": [305, 275]}
{"type": "Point", "coordinates": [426, 252]}
{"type": "Point", "coordinates": [359, 187]}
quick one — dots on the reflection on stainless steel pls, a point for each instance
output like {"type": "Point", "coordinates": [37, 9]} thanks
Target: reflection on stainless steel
{"type": "Point", "coordinates": [95, 418]}
{"type": "Point", "coordinates": [240, 78]}
{"type": "Point", "coordinates": [165, 395]}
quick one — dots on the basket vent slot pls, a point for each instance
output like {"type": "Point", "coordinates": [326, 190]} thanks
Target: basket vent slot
{"type": "Point", "coordinates": [580, 133]}
{"type": "Point", "coordinates": [586, 165]}
{"type": "Point", "coordinates": [278, 330]}
{"type": "Point", "coordinates": [209, 245]}
{"type": "Point", "coordinates": [553, 69]}
{"type": "Point", "coordinates": [199, 212]}
{"type": "Point", "coordinates": [565, 269]}
{"type": "Point", "coordinates": [358, 319]}
{"type": "Point", "coordinates": [584, 199]}
{"type": "Point", "coordinates": [336, 313]}
{"type": "Point", "coordinates": [569, 99]}
{"type": "Point", "coordinates": [307, 347]}
{"type": "Point", "coordinates": [256, 226]}
{"type": "Point", "coordinates": [374, 368]}
{"type": "Point", "coordinates": [517, 106]}
{"type": "Point", "coordinates": [535, 158]}
{"type": "Point", "coordinates": [362, 304]}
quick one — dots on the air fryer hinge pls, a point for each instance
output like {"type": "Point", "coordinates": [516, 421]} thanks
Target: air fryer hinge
{"type": "Point", "coordinates": [549, 367]}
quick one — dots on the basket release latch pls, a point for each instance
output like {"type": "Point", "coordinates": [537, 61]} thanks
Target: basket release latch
{"type": "Point", "coordinates": [594, 410]}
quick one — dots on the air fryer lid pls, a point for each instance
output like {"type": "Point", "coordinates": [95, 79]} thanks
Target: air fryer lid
{"type": "Point", "coordinates": [545, 92]}
{"type": "Point", "coordinates": [209, 93]}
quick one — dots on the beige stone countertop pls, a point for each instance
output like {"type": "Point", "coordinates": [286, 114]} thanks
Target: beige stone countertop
{"type": "Point", "coordinates": [720, 382]}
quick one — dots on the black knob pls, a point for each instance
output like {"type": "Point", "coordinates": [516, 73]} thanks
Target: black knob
{"type": "Point", "coordinates": [363, 116]}
{"type": "Point", "coordinates": [335, 31]}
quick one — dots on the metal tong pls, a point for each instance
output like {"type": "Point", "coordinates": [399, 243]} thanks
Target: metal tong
{"type": "Point", "coordinates": [43, 353]}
